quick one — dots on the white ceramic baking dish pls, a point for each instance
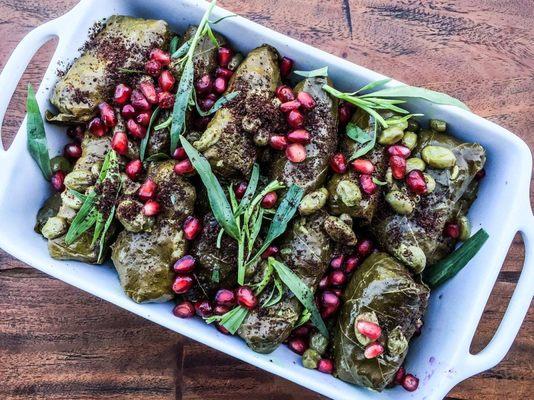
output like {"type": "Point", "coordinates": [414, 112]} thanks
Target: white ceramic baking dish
{"type": "Point", "coordinates": [440, 357]}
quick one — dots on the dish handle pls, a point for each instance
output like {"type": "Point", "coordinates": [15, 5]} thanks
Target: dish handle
{"type": "Point", "coordinates": [515, 313]}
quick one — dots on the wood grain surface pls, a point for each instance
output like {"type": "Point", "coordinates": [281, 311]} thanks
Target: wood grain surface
{"type": "Point", "coordinates": [57, 342]}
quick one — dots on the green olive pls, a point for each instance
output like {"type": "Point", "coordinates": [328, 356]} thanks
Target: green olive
{"type": "Point", "coordinates": [310, 359]}
{"type": "Point", "coordinates": [409, 140]}
{"type": "Point", "coordinates": [339, 231]}
{"type": "Point", "coordinates": [415, 163]}
{"type": "Point", "coordinates": [438, 125]}
{"type": "Point", "coordinates": [79, 180]}
{"type": "Point", "coordinates": [438, 157]}
{"type": "Point", "coordinates": [70, 200]}
{"type": "Point", "coordinates": [349, 192]}
{"type": "Point", "coordinates": [430, 183]}
{"type": "Point", "coordinates": [465, 228]}
{"type": "Point", "coordinates": [397, 343]}
{"type": "Point", "coordinates": [400, 202]}
{"type": "Point", "coordinates": [391, 135]}
{"type": "Point", "coordinates": [319, 343]}
{"type": "Point", "coordinates": [413, 256]}
{"type": "Point", "coordinates": [54, 228]}
{"type": "Point", "coordinates": [60, 163]}
{"type": "Point", "coordinates": [313, 201]}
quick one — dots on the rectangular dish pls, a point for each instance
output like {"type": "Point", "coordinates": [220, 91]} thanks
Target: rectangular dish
{"type": "Point", "coordinates": [440, 357]}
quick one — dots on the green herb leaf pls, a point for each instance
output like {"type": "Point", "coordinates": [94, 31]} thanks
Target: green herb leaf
{"type": "Point", "coordinates": [215, 274]}
{"type": "Point", "coordinates": [83, 221]}
{"type": "Point", "coordinates": [379, 182]}
{"type": "Point", "coordinates": [232, 320]}
{"type": "Point", "coordinates": [372, 85]}
{"type": "Point", "coordinates": [304, 317]}
{"type": "Point", "coordinates": [301, 292]}
{"type": "Point", "coordinates": [111, 216]}
{"type": "Point", "coordinates": [251, 189]}
{"type": "Point", "coordinates": [221, 101]}
{"type": "Point", "coordinates": [279, 288]}
{"type": "Point", "coordinates": [77, 194]}
{"type": "Point", "coordinates": [173, 46]}
{"type": "Point", "coordinates": [182, 51]}
{"type": "Point", "coordinates": [222, 19]}
{"type": "Point", "coordinates": [312, 74]}
{"type": "Point", "coordinates": [212, 37]}
{"type": "Point", "coordinates": [447, 268]}
{"type": "Point", "coordinates": [181, 103]}
{"type": "Point", "coordinates": [357, 134]}
{"type": "Point", "coordinates": [131, 71]}
{"type": "Point", "coordinates": [36, 135]}
{"type": "Point", "coordinates": [144, 142]}
{"type": "Point", "coordinates": [367, 146]}
{"type": "Point", "coordinates": [157, 157]}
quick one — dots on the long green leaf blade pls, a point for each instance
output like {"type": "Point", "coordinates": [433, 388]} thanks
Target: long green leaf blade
{"type": "Point", "coordinates": [144, 142]}
{"type": "Point", "coordinates": [312, 74]}
{"type": "Point", "coordinates": [181, 103]}
{"type": "Point", "coordinates": [36, 135]}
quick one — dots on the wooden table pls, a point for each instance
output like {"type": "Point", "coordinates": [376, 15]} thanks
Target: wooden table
{"type": "Point", "coordinates": [57, 342]}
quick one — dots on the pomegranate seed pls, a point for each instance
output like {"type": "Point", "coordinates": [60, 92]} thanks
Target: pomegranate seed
{"type": "Point", "coordinates": [398, 166]}
{"type": "Point", "coordinates": [302, 331]}
{"type": "Point", "coordinates": [271, 251]}
{"type": "Point", "coordinates": [203, 85]}
{"type": "Point", "coordinates": [327, 312]}
{"type": "Point", "coordinates": [337, 262]}
{"type": "Point", "coordinates": [57, 181]}
{"type": "Point", "coordinates": [184, 265]}
{"type": "Point", "coordinates": [290, 106]}
{"type": "Point", "coordinates": [399, 150]}
{"type": "Point", "coordinates": [296, 152]}
{"type": "Point", "coordinates": [246, 297]}
{"type": "Point", "coordinates": [416, 182]}
{"type": "Point", "coordinates": [72, 151]}
{"type": "Point", "coordinates": [329, 299]}
{"type": "Point", "coordinates": [151, 208]}
{"type": "Point", "coordinates": [323, 283]}
{"type": "Point", "coordinates": [166, 81]}
{"type": "Point", "coordinates": [338, 163]}
{"type": "Point", "coordinates": [278, 142]}
{"type": "Point", "coordinates": [399, 376]}
{"type": "Point", "coordinates": [133, 169]}
{"type": "Point", "coordinates": [325, 365]}
{"type": "Point", "coordinates": [185, 309]}
{"type": "Point", "coordinates": [135, 129]}
{"type": "Point", "coordinates": [179, 154]}
{"type": "Point", "coordinates": [373, 350]}
{"type": "Point", "coordinates": [139, 101]}
{"type": "Point", "coordinates": [166, 100]}
{"type": "Point", "coordinates": [225, 297]}
{"type": "Point", "coordinates": [345, 114]}
{"type": "Point", "coordinates": [240, 190]}
{"type": "Point", "coordinates": [363, 166]}
{"type": "Point", "coordinates": [149, 91]}
{"type": "Point", "coordinates": [480, 174]}
{"type": "Point", "coordinates": [96, 127]}
{"type": "Point", "coordinates": [337, 278]}
{"type": "Point", "coordinates": [107, 115]}
{"type": "Point", "coordinates": [184, 167]}
{"type": "Point", "coordinates": [160, 56]}
{"type": "Point", "coordinates": [295, 119]}
{"type": "Point", "coordinates": [201, 123]}
{"type": "Point", "coordinates": [269, 200]}
{"type": "Point", "coordinates": [119, 142]}
{"type": "Point", "coordinates": [337, 291]}
{"type": "Point", "coordinates": [191, 227]}
{"type": "Point", "coordinates": [299, 136]}
{"type": "Point", "coordinates": [219, 86]}
{"type": "Point", "coordinates": [182, 284]}
{"type": "Point", "coordinates": [369, 329]}
{"type": "Point", "coordinates": [410, 383]}
{"type": "Point", "coordinates": [203, 308]}
{"type": "Point", "coordinates": [452, 230]}
{"type": "Point", "coordinates": [153, 67]}
{"type": "Point", "coordinates": [224, 73]}
{"type": "Point", "coordinates": [220, 310]}
{"type": "Point", "coordinates": [224, 56]}
{"type": "Point", "coordinates": [143, 118]}
{"type": "Point", "coordinates": [122, 93]}
{"type": "Point", "coordinates": [208, 102]}
{"type": "Point", "coordinates": [367, 184]}
{"type": "Point", "coordinates": [306, 100]}
{"type": "Point", "coordinates": [297, 345]}
{"type": "Point", "coordinates": [285, 93]}
{"type": "Point", "coordinates": [147, 190]}
{"type": "Point", "coordinates": [222, 329]}
{"type": "Point", "coordinates": [351, 264]}
{"type": "Point", "coordinates": [286, 66]}
{"type": "Point", "coordinates": [128, 111]}
{"type": "Point", "coordinates": [364, 248]}
{"type": "Point", "coordinates": [76, 133]}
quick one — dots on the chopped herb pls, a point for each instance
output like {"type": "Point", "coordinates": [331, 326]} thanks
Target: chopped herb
{"type": "Point", "coordinates": [218, 104]}
{"type": "Point", "coordinates": [131, 71]}
{"type": "Point", "coordinates": [215, 274]}
{"type": "Point", "coordinates": [36, 135]}
{"type": "Point", "coordinates": [157, 157]}
{"type": "Point", "coordinates": [379, 182]}
{"type": "Point", "coordinates": [312, 74]}
{"type": "Point", "coordinates": [173, 46]}
{"type": "Point", "coordinates": [279, 289]}
{"type": "Point", "coordinates": [232, 320]}
{"type": "Point", "coordinates": [182, 51]}
{"type": "Point", "coordinates": [304, 317]}
{"type": "Point", "coordinates": [144, 142]}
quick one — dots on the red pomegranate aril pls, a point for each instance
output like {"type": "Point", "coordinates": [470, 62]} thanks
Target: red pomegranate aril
{"type": "Point", "coordinates": [480, 174]}
{"type": "Point", "coordinates": [224, 56]}
{"type": "Point", "coordinates": [297, 345]}
{"type": "Point", "coordinates": [184, 265]}
{"type": "Point", "coordinates": [182, 284]}
{"type": "Point", "coordinates": [220, 310]}
{"type": "Point", "coordinates": [329, 311]}
{"type": "Point", "coordinates": [306, 100]}
{"type": "Point", "coordinates": [399, 376]}
{"type": "Point", "coordinates": [373, 350]}
{"type": "Point", "coordinates": [324, 282]}
{"type": "Point", "coordinates": [72, 151]}
{"type": "Point", "coordinates": [367, 184]}
{"type": "Point", "coordinates": [184, 167]}
{"type": "Point", "coordinates": [160, 56]}
{"type": "Point", "coordinates": [135, 129]}
{"type": "Point", "coordinates": [345, 114]}
{"type": "Point", "coordinates": [285, 93]}
{"type": "Point", "coordinates": [296, 152]}
{"type": "Point", "coordinates": [133, 169]}
{"type": "Point", "coordinates": [191, 227]}
{"type": "Point", "coordinates": [286, 66]}
{"type": "Point", "coordinates": [240, 190]}
{"type": "Point", "coordinates": [179, 154]}
{"type": "Point", "coordinates": [225, 297]}
{"type": "Point", "coordinates": [398, 166]}
{"type": "Point", "coordinates": [153, 67]}
{"type": "Point", "coordinates": [119, 142]}
{"type": "Point", "coordinates": [399, 150]}
{"type": "Point", "coordinates": [269, 200]}
{"type": "Point", "coordinates": [246, 297]}
{"type": "Point", "coordinates": [128, 111]}
{"type": "Point", "coordinates": [76, 133]}
{"type": "Point", "coordinates": [139, 101]}
{"type": "Point", "coordinates": [290, 106]}
{"type": "Point", "coordinates": [185, 309]}
{"type": "Point", "coordinates": [203, 85]}
{"type": "Point", "coordinates": [363, 166]}
{"type": "Point", "coordinates": [166, 100]}
{"type": "Point", "coordinates": [351, 264]}
{"type": "Point", "coordinates": [271, 251]}
{"type": "Point", "coordinates": [149, 91]}
{"type": "Point", "coordinates": [302, 331]}
{"type": "Point", "coordinates": [151, 208]}
{"type": "Point", "coordinates": [325, 365]}
{"type": "Point", "coordinates": [147, 190]}
{"type": "Point", "coordinates": [410, 383]}
{"type": "Point", "coordinates": [337, 262]}
{"type": "Point", "coordinates": [219, 86]}
{"type": "Point", "coordinates": [337, 291]}
{"type": "Point", "coordinates": [224, 73]}
{"type": "Point", "coordinates": [97, 127]}
{"type": "Point", "coordinates": [166, 81]}
{"type": "Point", "coordinates": [222, 329]}
{"type": "Point", "coordinates": [203, 308]}
{"type": "Point", "coordinates": [295, 119]}
{"type": "Point", "coordinates": [57, 181]}
{"type": "Point", "coordinates": [369, 329]}
{"type": "Point", "coordinates": [143, 118]}
{"type": "Point", "coordinates": [452, 230]}
{"type": "Point", "coordinates": [122, 93]}
{"type": "Point", "coordinates": [337, 278]}
{"type": "Point", "coordinates": [416, 182]}
{"type": "Point", "coordinates": [364, 248]}
{"type": "Point", "coordinates": [107, 114]}
{"type": "Point", "coordinates": [207, 103]}
{"type": "Point", "coordinates": [338, 163]}
{"type": "Point", "coordinates": [278, 142]}
{"type": "Point", "coordinates": [329, 299]}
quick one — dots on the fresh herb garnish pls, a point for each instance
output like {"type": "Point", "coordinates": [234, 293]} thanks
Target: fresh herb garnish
{"type": "Point", "coordinates": [131, 71]}
{"type": "Point", "coordinates": [445, 269]}
{"type": "Point", "coordinates": [157, 157]}
{"type": "Point", "coordinates": [221, 101]}
{"type": "Point", "coordinates": [182, 51]}
{"type": "Point", "coordinates": [232, 320]}
{"type": "Point", "coordinates": [173, 45]}
{"type": "Point", "coordinates": [36, 135]}
{"type": "Point", "coordinates": [366, 140]}
{"type": "Point", "coordinates": [279, 289]}
{"type": "Point", "coordinates": [144, 142]}
{"type": "Point", "coordinates": [304, 317]}
{"type": "Point", "coordinates": [312, 74]}
{"type": "Point", "coordinates": [379, 182]}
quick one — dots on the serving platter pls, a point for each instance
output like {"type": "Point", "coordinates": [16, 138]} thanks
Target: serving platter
{"type": "Point", "coordinates": [440, 357]}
